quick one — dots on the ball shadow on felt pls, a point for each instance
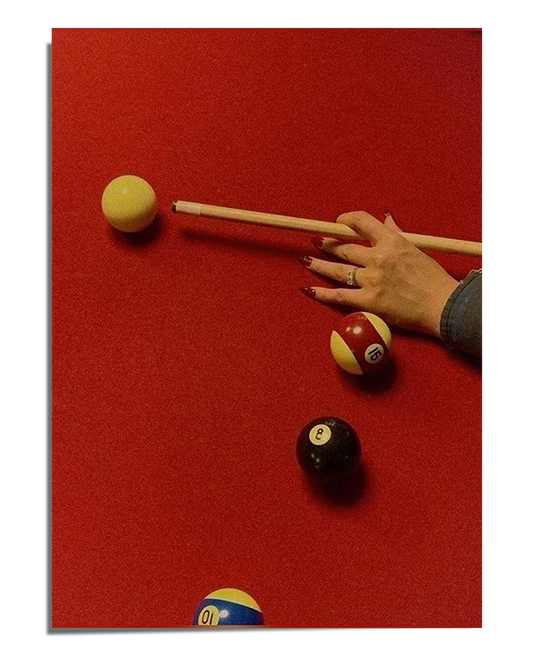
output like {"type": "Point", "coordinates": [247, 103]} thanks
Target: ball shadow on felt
{"type": "Point", "coordinates": [345, 491]}
{"type": "Point", "coordinates": [146, 236]}
{"type": "Point", "coordinates": [375, 382]}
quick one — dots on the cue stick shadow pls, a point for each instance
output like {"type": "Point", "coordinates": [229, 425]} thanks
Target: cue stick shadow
{"type": "Point", "coordinates": [345, 493]}
{"type": "Point", "coordinates": [242, 243]}
{"type": "Point", "coordinates": [139, 238]}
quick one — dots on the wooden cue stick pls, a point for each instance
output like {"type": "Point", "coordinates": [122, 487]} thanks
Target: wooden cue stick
{"type": "Point", "coordinates": [320, 227]}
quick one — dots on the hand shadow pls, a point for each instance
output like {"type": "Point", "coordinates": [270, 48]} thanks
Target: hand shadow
{"type": "Point", "coordinates": [472, 361]}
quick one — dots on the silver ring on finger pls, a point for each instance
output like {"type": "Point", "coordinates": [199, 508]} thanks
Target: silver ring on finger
{"type": "Point", "coordinates": [352, 273]}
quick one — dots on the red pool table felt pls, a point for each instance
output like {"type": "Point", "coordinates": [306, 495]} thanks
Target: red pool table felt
{"type": "Point", "coordinates": [186, 359]}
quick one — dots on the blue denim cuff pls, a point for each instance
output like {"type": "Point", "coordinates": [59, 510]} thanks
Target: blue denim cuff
{"type": "Point", "coordinates": [460, 323]}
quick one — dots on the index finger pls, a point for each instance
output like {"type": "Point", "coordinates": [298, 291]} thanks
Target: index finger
{"type": "Point", "coordinates": [365, 224]}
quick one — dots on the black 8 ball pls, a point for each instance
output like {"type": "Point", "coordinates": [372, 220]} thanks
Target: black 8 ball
{"type": "Point", "coordinates": [328, 449]}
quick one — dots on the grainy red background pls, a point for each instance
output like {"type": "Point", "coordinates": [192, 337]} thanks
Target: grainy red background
{"type": "Point", "coordinates": [186, 360]}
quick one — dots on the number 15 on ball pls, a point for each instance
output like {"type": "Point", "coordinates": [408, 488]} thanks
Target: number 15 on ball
{"type": "Point", "coordinates": [361, 343]}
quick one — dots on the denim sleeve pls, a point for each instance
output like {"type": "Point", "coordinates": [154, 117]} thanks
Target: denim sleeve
{"type": "Point", "coordinates": [460, 323]}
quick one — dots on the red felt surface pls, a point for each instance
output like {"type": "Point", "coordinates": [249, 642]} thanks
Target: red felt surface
{"type": "Point", "coordinates": [186, 360]}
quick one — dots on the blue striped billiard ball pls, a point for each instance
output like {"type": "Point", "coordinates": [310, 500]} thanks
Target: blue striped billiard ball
{"type": "Point", "coordinates": [228, 607]}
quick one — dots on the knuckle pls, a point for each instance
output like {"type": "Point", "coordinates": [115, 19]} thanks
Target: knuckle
{"type": "Point", "coordinates": [380, 258]}
{"type": "Point", "coordinates": [342, 296]}
{"type": "Point", "coordinates": [342, 253]}
{"type": "Point", "coordinates": [398, 242]}
{"type": "Point", "coordinates": [374, 277]}
{"type": "Point", "coordinates": [375, 301]}
{"type": "Point", "coordinates": [348, 218]}
{"type": "Point", "coordinates": [339, 272]}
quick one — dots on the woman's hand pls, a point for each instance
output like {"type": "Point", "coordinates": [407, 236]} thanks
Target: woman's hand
{"type": "Point", "coordinates": [392, 278]}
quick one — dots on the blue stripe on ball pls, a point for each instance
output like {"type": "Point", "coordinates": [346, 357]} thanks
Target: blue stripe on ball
{"type": "Point", "coordinates": [230, 614]}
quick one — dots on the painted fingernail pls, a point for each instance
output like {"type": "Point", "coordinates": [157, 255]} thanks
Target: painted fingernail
{"type": "Point", "coordinates": [318, 241]}
{"type": "Point", "coordinates": [309, 291]}
{"type": "Point", "coordinates": [306, 261]}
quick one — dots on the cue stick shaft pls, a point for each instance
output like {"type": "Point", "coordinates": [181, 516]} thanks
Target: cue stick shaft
{"type": "Point", "coordinates": [335, 230]}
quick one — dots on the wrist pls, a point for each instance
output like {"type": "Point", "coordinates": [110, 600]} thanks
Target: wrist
{"type": "Point", "coordinates": [437, 305]}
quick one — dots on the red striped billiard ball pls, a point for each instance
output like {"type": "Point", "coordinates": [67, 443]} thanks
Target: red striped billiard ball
{"type": "Point", "coordinates": [361, 343]}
